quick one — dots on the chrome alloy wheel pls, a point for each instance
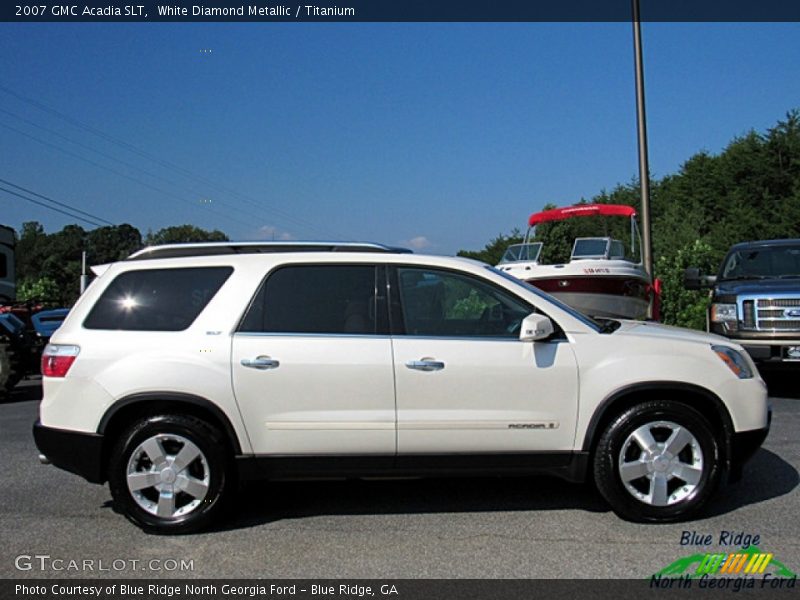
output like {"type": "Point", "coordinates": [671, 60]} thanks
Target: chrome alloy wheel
{"type": "Point", "coordinates": [661, 463]}
{"type": "Point", "coordinates": [168, 475]}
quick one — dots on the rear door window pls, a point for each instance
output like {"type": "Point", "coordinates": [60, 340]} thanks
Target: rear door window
{"type": "Point", "coordinates": [320, 299]}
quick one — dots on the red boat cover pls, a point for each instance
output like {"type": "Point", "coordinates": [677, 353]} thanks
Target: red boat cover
{"type": "Point", "coordinates": [581, 210]}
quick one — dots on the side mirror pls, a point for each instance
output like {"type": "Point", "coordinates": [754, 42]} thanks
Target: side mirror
{"type": "Point", "coordinates": [693, 279]}
{"type": "Point", "coordinates": [535, 327]}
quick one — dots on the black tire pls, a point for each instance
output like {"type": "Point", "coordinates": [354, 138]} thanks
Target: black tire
{"type": "Point", "coordinates": [634, 500]}
{"type": "Point", "coordinates": [10, 369]}
{"type": "Point", "coordinates": [213, 468]}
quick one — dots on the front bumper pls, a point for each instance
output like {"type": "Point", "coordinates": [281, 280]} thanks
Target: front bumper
{"type": "Point", "coordinates": [744, 444]}
{"type": "Point", "coordinates": [772, 352]}
{"type": "Point", "coordinates": [763, 346]}
{"type": "Point", "coordinates": [74, 451]}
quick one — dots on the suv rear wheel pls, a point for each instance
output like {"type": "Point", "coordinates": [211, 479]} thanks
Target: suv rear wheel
{"type": "Point", "coordinates": [169, 473]}
{"type": "Point", "coordinates": [657, 461]}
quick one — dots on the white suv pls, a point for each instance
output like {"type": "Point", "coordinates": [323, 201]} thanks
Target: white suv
{"type": "Point", "coordinates": [187, 368]}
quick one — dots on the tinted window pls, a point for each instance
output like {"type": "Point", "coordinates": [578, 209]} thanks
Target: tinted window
{"type": "Point", "coordinates": [440, 303]}
{"type": "Point", "coordinates": [319, 299]}
{"type": "Point", "coordinates": [3, 265]}
{"type": "Point", "coordinates": [156, 299]}
{"type": "Point", "coordinates": [782, 260]}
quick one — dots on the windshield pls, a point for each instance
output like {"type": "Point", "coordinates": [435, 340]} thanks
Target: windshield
{"type": "Point", "coordinates": [762, 262]}
{"type": "Point", "coordinates": [590, 248]}
{"type": "Point", "coordinates": [522, 252]}
{"type": "Point", "coordinates": [566, 308]}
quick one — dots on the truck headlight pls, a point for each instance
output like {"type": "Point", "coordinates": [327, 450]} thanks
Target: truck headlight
{"type": "Point", "coordinates": [735, 361]}
{"type": "Point", "coordinates": [723, 313]}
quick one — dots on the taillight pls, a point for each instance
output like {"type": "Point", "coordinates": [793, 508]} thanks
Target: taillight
{"type": "Point", "coordinates": [57, 359]}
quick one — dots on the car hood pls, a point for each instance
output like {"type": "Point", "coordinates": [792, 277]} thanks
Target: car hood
{"type": "Point", "coordinates": [758, 286]}
{"type": "Point", "coordinates": [657, 330]}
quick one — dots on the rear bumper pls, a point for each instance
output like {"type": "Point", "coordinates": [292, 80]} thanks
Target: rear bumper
{"type": "Point", "coordinates": [74, 451]}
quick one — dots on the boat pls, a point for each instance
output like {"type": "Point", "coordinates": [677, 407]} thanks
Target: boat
{"type": "Point", "coordinates": [604, 277]}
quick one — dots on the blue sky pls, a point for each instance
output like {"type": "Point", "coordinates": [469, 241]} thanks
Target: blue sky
{"type": "Point", "coordinates": [438, 136]}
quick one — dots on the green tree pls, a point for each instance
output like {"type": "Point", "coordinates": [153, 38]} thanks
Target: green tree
{"type": "Point", "coordinates": [31, 250]}
{"type": "Point", "coordinates": [680, 306]}
{"type": "Point", "coordinates": [184, 233]}
{"type": "Point", "coordinates": [42, 289]}
{"type": "Point", "coordinates": [109, 244]}
{"type": "Point", "coordinates": [749, 191]}
{"type": "Point", "coordinates": [62, 263]}
{"type": "Point", "coordinates": [493, 251]}
{"type": "Point", "coordinates": [49, 265]}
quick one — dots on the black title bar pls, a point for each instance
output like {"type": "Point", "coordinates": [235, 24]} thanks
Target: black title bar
{"type": "Point", "coordinates": [400, 589]}
{"type": "Point", "coordinates": [400, 11]}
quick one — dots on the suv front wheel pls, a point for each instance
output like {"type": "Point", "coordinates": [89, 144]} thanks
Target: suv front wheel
{"type": "Point", "coordinates": [658, 461]}
{"type": "Point", "coordinates": [168, 473]}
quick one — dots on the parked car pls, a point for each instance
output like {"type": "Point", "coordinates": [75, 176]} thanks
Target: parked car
{"type": "Point", "coordinates": [23, 335]}
{"type": "Point", "coordinates": [755, 299]}
{"type": "Point", "coordinates": [187, 368]}
{"type": "Point", "coordinates": [25, 327]}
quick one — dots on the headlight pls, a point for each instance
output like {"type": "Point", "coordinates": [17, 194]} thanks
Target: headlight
{"type": "Point", "coordinates": [723, 313]}
{"type": "Point", "coordinates": [735, 361]}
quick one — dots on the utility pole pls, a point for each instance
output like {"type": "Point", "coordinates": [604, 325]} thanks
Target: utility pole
{"type": "Point", "coordinates": [84, 276]}
{"type": "Point", "coordinates": [644, 169]}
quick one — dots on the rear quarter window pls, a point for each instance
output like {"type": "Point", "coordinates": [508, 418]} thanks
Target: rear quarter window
{"type": "Point", "coordinates": [156, 299]}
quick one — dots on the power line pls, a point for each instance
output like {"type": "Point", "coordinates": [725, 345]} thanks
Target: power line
{"type": "Point", "coordinates": [63, 212]}
{"type": "Point", "coordinates": [120, 174]}
{"type": "Point", "coordinates": [105, 155]}
{"type": "Point", "coordinates": [164, 163]}
{"type": "Point", "coordinates": [86, 147]}
{"type": "Point", "coordinates": [65, 205]}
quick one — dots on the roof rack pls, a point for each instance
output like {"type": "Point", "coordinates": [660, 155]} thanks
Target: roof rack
{"type": "Point", "coordinates": [217, 248]}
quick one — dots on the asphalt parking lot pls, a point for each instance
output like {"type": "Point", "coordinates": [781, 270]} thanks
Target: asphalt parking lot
{"type": "Point", "coordinates": [440, 528]}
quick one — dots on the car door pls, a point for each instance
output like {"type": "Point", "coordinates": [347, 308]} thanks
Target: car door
{"type": "Point", "coordinates": [312, 363]}
{"type": "Point", "coordinates": [465, 382]}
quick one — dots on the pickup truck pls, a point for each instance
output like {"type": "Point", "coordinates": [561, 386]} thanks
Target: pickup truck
{"type": "Point", "coordinates": [755, 299]}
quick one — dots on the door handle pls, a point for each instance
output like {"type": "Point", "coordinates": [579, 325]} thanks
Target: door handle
{"type": "Point", "coordinates": [425, 365]}
{"type": "Point", "coordinates": [261, 362]}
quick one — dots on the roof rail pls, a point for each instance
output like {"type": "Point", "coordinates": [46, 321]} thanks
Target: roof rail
{"type": "Point", "coordinates": [217, 248]}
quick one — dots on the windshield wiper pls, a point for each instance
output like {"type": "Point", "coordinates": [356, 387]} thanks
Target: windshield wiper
{"type": "Point", "coordinates": [788, 276]}
{"type": "Point", "coordinates": [745, 277]}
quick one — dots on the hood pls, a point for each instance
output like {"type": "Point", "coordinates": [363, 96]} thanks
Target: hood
{"type": "Point", "coordinates": [657, 330]}
{"type": "Point", "coordinates": [734, 287]}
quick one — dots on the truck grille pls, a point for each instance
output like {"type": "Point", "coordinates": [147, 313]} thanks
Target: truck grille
{"type": "Point", "coordinates": [779, 303]}
{"type": "Point", "coordinates": [749, 314]}
{"type": "Point", "coordinates": [770, 314]}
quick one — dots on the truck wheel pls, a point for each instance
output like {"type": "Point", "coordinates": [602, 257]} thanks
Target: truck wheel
{"type": "Point", "coordinates": [170, 474]}
{"type": "Point", "coordinates": [657, 462]}
{"type": "Point", "coordinates": [9, 368]}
